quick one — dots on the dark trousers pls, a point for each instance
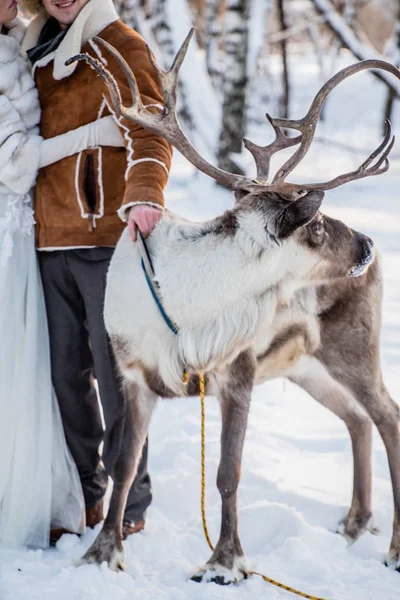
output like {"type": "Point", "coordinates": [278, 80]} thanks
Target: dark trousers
{"type": "Point", "coordinates": [74, 286]}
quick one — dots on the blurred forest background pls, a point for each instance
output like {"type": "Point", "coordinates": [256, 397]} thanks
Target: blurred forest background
{"type": "Point", "coordinates": [247, 48]}
{"type": "Point", "coordinates": [248, 55]}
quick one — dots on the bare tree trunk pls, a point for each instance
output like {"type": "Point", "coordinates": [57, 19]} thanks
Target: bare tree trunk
{"type": "Point", "coordinates": [197, 9]}
{"type": "Point", "coordinates": [128, 11]}
{"type": "Point", "coordinates": [260, 89]}
{"type": "Point", "coordinates": [284, 104]}
{"type": "Point", "coordinates": [162, 31]}
{"type": "Point", "coordinates": [391, 97]}
{"type": "Point", "coordinates": [235, 82]}
{"type": "Point", "coordinates": [212, 36]}
{"type": "Point", "coordinates": [163, 36]}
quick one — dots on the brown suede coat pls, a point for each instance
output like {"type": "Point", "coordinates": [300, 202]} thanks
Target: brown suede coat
{"type": "Point", "coordinates": [77, 199]}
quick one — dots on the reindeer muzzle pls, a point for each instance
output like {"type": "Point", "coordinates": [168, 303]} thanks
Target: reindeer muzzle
{"type": "Point", "coordinates": [367, 257]}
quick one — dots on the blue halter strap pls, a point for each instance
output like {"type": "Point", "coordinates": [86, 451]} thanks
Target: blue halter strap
{"type": "Point", "coordinates": [149, 273]}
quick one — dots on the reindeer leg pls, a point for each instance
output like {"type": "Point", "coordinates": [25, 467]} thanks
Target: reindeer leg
{"type": "Point", "coordinates": [312, 376]}
{"type": "Point", "coordinates": [227, 564]}
{"type": "Point", "coordinates": [107, 547]}
{"type": "Point", "coordinates": [385, 413]}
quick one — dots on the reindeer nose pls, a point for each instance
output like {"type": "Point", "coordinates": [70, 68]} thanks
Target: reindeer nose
{"type": "Point", "coordinates": [364, 243]}
{"type": "Point", "coordinates": [365, 255]}
{"type": "Point", "coordinates": [368, 245]}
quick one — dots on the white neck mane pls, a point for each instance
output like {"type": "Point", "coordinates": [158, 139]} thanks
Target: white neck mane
{"type": "Point", "coordinates": [217, 289]}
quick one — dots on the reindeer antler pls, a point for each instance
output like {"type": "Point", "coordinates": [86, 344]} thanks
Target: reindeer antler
{"type": "Point", "coordinates": [308, 124]}
{"type": "Point", "coordinates": [167, 125]}
{"type": "Point", "coordinates": [262, 154]}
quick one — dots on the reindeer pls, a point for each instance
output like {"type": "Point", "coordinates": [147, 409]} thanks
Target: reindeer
{"type": "Point", "coordinates": [270, 288]}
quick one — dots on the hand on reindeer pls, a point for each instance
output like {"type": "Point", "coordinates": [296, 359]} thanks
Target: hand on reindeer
{"type": "Point", "coordinates": [144, 217]}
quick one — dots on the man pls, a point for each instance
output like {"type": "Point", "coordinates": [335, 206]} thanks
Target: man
{"type": "Point", "coordinates": [76, 203]}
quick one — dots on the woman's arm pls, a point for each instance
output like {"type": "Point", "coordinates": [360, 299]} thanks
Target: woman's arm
{"type": "Point", "coordinates": [103, 132]}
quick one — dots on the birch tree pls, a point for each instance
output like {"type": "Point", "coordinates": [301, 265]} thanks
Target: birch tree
{"type": "Point", "coordinates": [261, 87]}
{"type": "Point", "coordinates": [284, 104]}
{"type": "Point", "coordinates": [128, 11]}
{"type": "Point", "coordinates": [394, 57]}
{"type": "Point", "coordinates": [164, 39]}
{"type": "Point", "coordinates": [234, 82]}
{"type": "Point", "coordinates": [162, 31]}
{"type": "Point", "coordinates": [212, 36]}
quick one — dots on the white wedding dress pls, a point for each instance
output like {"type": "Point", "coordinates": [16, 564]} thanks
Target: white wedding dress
{"type": "Point", "coordinates": [39, 483]}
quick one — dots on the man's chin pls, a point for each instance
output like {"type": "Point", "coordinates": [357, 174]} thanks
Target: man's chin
{"type": "Point", "coordinates": [66, 11]}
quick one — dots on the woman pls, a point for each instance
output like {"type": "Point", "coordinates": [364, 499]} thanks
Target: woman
{"type": "Point", "coordinates": [39, 484]}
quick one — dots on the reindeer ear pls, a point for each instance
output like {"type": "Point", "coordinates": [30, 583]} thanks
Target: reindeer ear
{"type": "Point", "coordinates": [239, 194]}
{"type": "Point", "coordinates": [299, 213]}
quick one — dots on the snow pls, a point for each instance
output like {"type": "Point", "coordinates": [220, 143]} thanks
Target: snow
{"type": "Point", "coordinates": [297, 464]}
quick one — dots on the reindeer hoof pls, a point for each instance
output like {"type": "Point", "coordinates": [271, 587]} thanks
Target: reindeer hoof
{"type": "Point", "coordinates": [218, 579]}
{"type": "Point", "coordinates": [215, 573]}
{"type": "Point", "coordinates": [392, 561]}
{"type": "Point", "coordinates": [352, 527]}
{"type": "Point", "coordinates": [115, 564]}
{"type": "Point", "coordinates": [106, 548]}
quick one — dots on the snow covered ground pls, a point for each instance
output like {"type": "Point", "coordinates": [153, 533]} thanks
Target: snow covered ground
{"type": "Point", "coordinates": [297, 465]}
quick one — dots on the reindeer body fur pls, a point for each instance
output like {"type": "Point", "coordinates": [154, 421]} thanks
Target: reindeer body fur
{"type": "Point", "coordinates": [226, 295]}
{"type": "Point", "coordinates": [221, 290]}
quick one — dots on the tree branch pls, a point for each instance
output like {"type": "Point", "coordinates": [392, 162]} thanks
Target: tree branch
{"type": "Point", "coordinates": [349, 39]}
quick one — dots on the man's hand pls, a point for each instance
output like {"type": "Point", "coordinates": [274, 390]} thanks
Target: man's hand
{"type": "Point", "coordinates": [143, 217]}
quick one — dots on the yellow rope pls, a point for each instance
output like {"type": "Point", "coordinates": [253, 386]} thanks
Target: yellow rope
{"type": "Point", "coordinates": [203, 463]}
{"type": "Point", "coordinates": [203, 493]}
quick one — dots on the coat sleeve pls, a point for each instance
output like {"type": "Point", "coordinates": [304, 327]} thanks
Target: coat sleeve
{"type": "Point", "coordinates": [19, 151]}
{"type": "Point", "coordinates": [148, 155]}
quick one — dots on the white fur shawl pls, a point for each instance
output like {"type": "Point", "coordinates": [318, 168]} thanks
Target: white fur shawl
{"type": "Point", "coordinates": [19, 116]}
{"type": "Point", "coordinates": [19, 140]}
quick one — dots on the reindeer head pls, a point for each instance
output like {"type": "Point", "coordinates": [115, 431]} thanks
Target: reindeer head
{"type": "Point", "coordinates": [313, 246]}
{"type": "Point", "coordinates": [302, 243]}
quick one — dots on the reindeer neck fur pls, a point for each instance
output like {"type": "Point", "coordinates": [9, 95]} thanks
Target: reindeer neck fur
{"type": "Point", "coordinates": [204, 268]}
{"type": "Point", "coordinates": [219, 281]}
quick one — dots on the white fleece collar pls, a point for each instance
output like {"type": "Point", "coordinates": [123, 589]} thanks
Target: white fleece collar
{"type": "Point", "coordinates": [10, 42]}
{"type": "Point", "coordinates": [95, 16]}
